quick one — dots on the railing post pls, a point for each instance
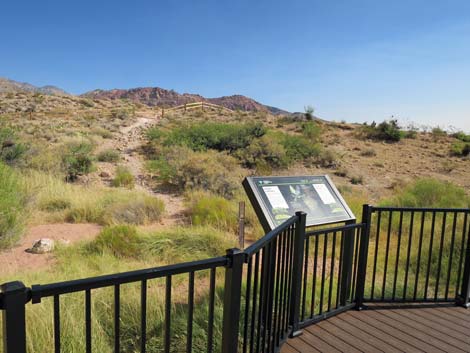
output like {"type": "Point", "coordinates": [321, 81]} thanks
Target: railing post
{"type": "Point", "coordinates": [298, 256]}
{"type": "Point", "coordinates": [463, 298]}
{"type": "Point", "coordinates": [346, 265]}
{"type": "Point", "coordinates": [14, 298]}
{"type": "Point", "coordinates": [363, 254]}
{"type": "Point", "coordinates": [232, 300]}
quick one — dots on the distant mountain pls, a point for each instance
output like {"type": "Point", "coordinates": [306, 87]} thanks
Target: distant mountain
{"type": "Point", "coordinates": [154, 96]}
{"type": "Point", "coordinates": [10, 86]}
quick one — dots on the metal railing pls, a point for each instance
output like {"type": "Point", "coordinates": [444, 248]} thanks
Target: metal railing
{"type": "Point", "coordinates": [285, 281]}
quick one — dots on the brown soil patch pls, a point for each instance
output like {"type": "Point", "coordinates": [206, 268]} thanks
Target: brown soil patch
{"type": "Point", "coordinates": [17, 259]}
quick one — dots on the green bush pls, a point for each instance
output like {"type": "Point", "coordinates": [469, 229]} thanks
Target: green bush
{"type": "Point", "coordinates": [430, 193]}
{"type": "Point", "coordinates": [185, 169]}
{"type": "Point", "coordinates": [311, 130]}
{"type": "Point", "coordinates": [122, 241]}
{"type": "Point", "coordinates": [462, 136]}
{"type": "Point", "coordinates": [298, 148]}
{"type": "Point", "coordinates": [263, 154]}
{"type": "Point", "coordinates": [12, 207]}
{"type": "Point", "coordinates": [140, 210]}
{"type": "Point", "coordinates": [211, 210]}
{"type": "Point", "coordinates": [77, 159]}
{"type": "Point", "coordinates": [385, 131]}
{"type": "Point", "coordinates": [123, 177]}
{"type": "Point", "coordinates": [210, 135]}
{"type": "Point", "coordinates": [11, 150]}
{"type": "Point", "coordinates": [109, 155]}
{"type": "Point", "coordinates": [437, 132]}
{"type": "Point", "coordinates": [461, 149]}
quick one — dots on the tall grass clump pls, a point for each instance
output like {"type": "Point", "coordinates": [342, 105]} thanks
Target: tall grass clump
{"type": "Point", "coordinates": [429, 192]}
{"type": "Point", "coordinates": [12, 206]}
{"type": "Point", "coordinates": [109, 155]}
{"type": "Point", "coordinates": [123, 177]}
{"type": "Point", "coordinates": [121, 241]}
{"type": "Point", "coordinates": [77, 159]}
{"type": "Point", "coordinates": [204, 208]}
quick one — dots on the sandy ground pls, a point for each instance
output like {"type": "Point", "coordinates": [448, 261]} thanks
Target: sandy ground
{"type": "Point", "coordinates": [17, 259]}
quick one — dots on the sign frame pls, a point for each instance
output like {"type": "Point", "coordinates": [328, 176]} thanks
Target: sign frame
{"type": "Point", "coordinates": [264, 214]}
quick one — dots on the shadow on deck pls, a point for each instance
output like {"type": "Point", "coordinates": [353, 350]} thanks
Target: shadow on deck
{"type": "Point", "coordinates": [388, 328]}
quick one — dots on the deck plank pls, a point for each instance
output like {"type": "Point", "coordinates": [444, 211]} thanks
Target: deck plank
{"type": "Point", "coordinates": [388, 328]}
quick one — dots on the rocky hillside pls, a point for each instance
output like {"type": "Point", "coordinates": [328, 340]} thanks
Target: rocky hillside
{"type": "Point", "coordinates": [154, 96]}
{"type": "Point", "coordinates": [10, 86]}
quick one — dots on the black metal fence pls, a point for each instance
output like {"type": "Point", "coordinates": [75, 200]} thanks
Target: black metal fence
{"type": "Point", "coordinates": [287, 280]}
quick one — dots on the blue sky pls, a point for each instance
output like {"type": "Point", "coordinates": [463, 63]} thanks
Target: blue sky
{"type": "Point", "coordinates": [358, 61]}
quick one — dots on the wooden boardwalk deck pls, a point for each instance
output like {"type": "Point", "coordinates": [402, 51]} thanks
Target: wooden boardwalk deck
{"type": "Point", "coordinates": [388, 328]}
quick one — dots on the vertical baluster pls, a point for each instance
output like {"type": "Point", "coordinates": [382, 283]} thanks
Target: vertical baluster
{"type": "Point", "coordinates": [255, 296]}
{"type": "Point", "coordinates": [408, 254]}
{"type": "Point", "coordinates": [210, 323]}
{"type": "Point", "coordinates": [262, 287]}
{"type": "Point", "coordinates": [322, 289]}
{"type": "Point", "coordinates": [56, 324]}
{"type": "Point", "coordinates": [387, 249]}
{"type": "Point", "coordinates": [340, 264]}
{"type": "Point", "coordinates": [314, 278]}
{"type": "Point", "coordinates": [282, 308]}
{"type": "Point", "coordinates": [441, 246]}
{"type": "Point", "coordinates": [356, 240]}
{"type": "Point", "coordinates": [451, 255]}
{"type": "Point", "coordinates": [418, 261]}
{"type": "Point", "coordinates": [88, 320]}
{"type": "Point", "coordinates": [117, 318]}
{"type": "Point", "coordinates": [332, 270]}
{"type": "Point", "coordinates": [376, 251]}
{"type": "Point", "coordinates": [397, 257]}
{"type": "Point", "coordinates": [305, 276]}
{"type": "Point", "coordinates": [143, 316]}
{"type": "Point", "coordinates": [167, 339]}
{"type": "Point", "coordinates": [277, 295]}
{"type": "Point", "coordinates": [461, 255]}
{"type": "Point", "coordinates": [189, 334]}
{"type": "Point", "coordinates": [247, 305]}
{"type": "Point", "coordinates": [429, 255]}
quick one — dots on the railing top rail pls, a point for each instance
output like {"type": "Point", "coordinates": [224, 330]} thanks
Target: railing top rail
{"type": "Point", "coordinates": [47, 290]}
{"type": "Point", "coordinates": [334, 229]}
{"type": "Point", "coordinates": [268, 237]}
{"type": "Point", "coordinates": [420, 209]}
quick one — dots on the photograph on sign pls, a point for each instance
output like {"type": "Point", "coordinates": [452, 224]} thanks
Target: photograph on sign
{"type": "Point", "coordinates": [276, 199]}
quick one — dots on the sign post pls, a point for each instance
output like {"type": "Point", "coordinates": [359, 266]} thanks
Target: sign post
{"type": "Point", "coordinates": [277, 198]}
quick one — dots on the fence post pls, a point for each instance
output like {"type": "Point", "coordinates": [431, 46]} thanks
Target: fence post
{"type": "Point", "coordinates": [346, 265]}
{"type": "Point", "coordinates": [463, 298]}
{"type": "Point", "coordinates": [363, 254]}
{"type": "Point", "coordinates": [299, 243]}
{"type": "Point", "coordinates": [14, 299]}
{"type": "Point", "coordinates": [232, 300]}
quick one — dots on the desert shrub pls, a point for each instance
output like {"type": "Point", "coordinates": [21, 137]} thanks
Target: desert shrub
{"type": "Point", "coordinates": [368, 152]}
{"type": "Point", "coordinates": [109, 155]}
{"type": "Point", "coordinates": [298, 148]}
{"type": "Point", "coordinates": [210, 135]}
{"type": "Point", "coordinates": [430, 192]}
{"type": "Point", "coordinates": [104, 133]}
{"type": "Point", "coordinates": [385, 131]}
{"type": "Point", "coordinates": [437, 132]}
{"type": "Point", "coordinates": [77, 159]}
{"type": "Point", "coordinates": [121, 114]}
{"type": "Point", "coordinates": [311, 130]}
{"type": "Point", "coordinates": [56, 204]}
{"type": "Point", "coordinates": [12, 206]}
{"type": "Point", "coordinates": [461, 136]}
{"type": "Point", "coordinates": [11, 149]}
{"type": "Point", "coordinates": [263, 154]}
{"type": "Point", "coordinates": [122, 241]}
{"type": "Point", "coordinates": [138, 211]}
{"type": "Point", "coordinates": [460, 149]}
{"type": "Point", "coordinates": [123, 177]}
{"type": "Point", "coordinates": [357, 179]}
{"type": "Point", "coordinates": [185, 169]}
{"type": "Point", "coordinates": [188, 243]}
{"type": "Point", "coordinates": [206, 209]}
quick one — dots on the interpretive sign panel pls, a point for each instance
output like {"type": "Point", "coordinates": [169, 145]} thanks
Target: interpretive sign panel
{"type": "Point", "coordinates": [277, 198]}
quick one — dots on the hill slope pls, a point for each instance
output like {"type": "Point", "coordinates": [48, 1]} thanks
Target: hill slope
{"type": "Point", "coordinates": [11, 86]}
{"type": "Point", "coordinates": [154, 96]}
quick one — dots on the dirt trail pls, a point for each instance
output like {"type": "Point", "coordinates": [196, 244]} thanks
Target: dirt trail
{"type": "Point", "coordinates": [129, 142]}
